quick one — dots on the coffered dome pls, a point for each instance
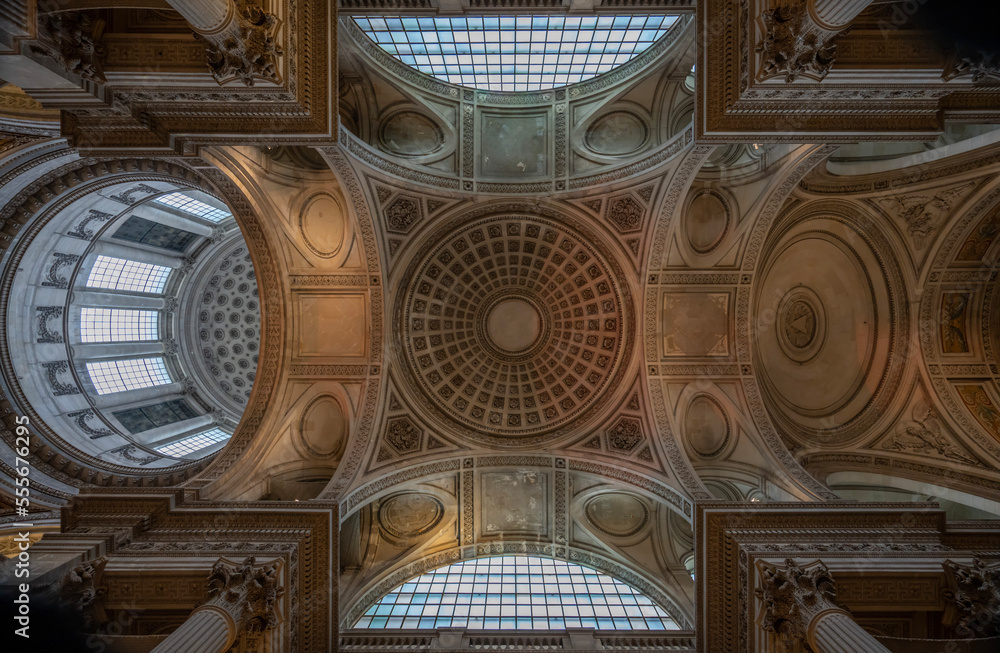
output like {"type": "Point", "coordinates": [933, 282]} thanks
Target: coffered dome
{"type": "Point", "coordinates": [514, 325]}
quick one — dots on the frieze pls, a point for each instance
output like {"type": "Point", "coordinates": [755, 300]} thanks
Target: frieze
{"type": "Point", "coordinates": [53, 277]}
{"type": "Point", "coordinates": [52, 372]}
{"type": "Point", "coordinates": [42, 316]}
{"type": "Point", "coordinates": [81, 231]}
{"type": "Point", "coordinates": [81, 417]}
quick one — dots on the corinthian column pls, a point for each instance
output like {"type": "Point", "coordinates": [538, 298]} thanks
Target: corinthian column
{"type": "Point", "coordinates": [241, 598]}
{"type": "Point", "coordinates": [237, 44]}
{"type": "Point", "coordinates": [835, 15]}
{"type": "Point", "coordinates": [799, 606]}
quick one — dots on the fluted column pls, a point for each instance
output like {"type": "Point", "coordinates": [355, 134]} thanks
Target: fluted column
{"type": "Point", "coordinates": [800, 606]}
{"type": "Point", "coordinates": [835, 15]}
{"type": "Point", "coordinates": [205, 16]}
{"type": "Point", "coordinates": [241, 598]}
{"type": "Point", "coordinates": [207, 630]}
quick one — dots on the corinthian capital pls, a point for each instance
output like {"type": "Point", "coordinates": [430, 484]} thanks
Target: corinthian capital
{"type": "Point", "coordinates": [247, 592]}
{"type": "Point", "coordinates": [793, 596]}
{"type": "Point", "coordinates": [245, 47]}
{"type": "Point", "coordinates": [794, 45]}
{"type": "Point", "coordinates": [974, 592]}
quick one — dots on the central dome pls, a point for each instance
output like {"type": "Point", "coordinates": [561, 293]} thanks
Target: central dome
{"type": "Point", "coordinates": [513, 325]}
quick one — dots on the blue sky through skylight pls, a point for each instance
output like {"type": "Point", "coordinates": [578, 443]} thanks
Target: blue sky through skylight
{"type": "Point", "coordinates": [515, 53]}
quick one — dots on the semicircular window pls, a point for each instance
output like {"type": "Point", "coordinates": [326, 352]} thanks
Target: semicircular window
{"type": "Point", "coordinates": [515, 53]}
{"type": "Point", "coordinates": [516, 593]}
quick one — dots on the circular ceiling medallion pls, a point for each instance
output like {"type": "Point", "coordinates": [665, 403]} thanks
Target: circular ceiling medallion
{"type": "Point", "coordinates": [513, 325]}
{"type": "Point", "coordinates": [617, 514]}
{"type": "Point", "coordinates": [410, 514]}
{"type": "Point", "coordinates": [800, 324]}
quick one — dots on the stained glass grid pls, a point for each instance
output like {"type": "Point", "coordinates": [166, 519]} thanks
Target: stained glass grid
{"type": "Point", "coordinates": [516, 593]}
{"type": "Point", "coordinates": [122, 274]}
{"type": "Point", "coordinates": [515, 53]}
{"type": "Point", "coordinates": [118, 325]}
{"type": "Point", "coordinates": [194, 443]}
{"type": "Point", "coordinates": [182, 202]}
{"type": "Point", "coordinates": [128, 374]}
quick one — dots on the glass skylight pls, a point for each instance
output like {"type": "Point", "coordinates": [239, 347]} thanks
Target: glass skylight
{"type": "Point", "coordinates": [515, 53]}
{"type": "Point", "coordinates": [182, 202]}
{"type": "Point", "coordinates": [516, 592]}
{"type": "Point", "coordinates": [130, 374]}
{"type": "Point", "coordinates": [194, 443]}
{"type": "Point", "coordinates": [118, 325]}
{"type": "Point", "coordinates": [123, 274]}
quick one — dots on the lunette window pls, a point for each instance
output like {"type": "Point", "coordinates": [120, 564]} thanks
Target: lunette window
{"type": "Point", "coordinates": [182, 202]}
{"type": "Point", "coordinates": [128, 374]}
{"type": "Point", "coordinates": [515, 53]}
{"type": "Point", "coordinates": [516, 592]}
{"type": "Point", "coordinates": [194, 443]}
{"type": "Point", "coordinates": [118, 325]}
{"type": "Point", "coordinates": [122, 274]}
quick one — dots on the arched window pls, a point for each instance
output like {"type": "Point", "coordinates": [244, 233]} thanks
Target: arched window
{"type": "Point", "coordinates": [515, 53]}
{"type": "Point", "coordinates": [516, 592]}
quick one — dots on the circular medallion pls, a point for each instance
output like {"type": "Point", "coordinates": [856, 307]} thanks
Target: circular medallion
{"type": "Point", "coordinates": [513, 325]}
{"type": "Point", "coordinates": [799, 324]}
{"type": "Point", "coordinates": [617, 514]}
{"type": "Point", "coordinates": [410, 514]}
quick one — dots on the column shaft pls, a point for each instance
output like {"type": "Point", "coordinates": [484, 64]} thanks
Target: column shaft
{"type": "Point", "coordinates": [205, 631]}
{"type": "Point", "coordinates": [205, 16]}
{"type": "Point", "coordinates": [833, 631]}
{"type": "Point", "coordinates": [835, 15]}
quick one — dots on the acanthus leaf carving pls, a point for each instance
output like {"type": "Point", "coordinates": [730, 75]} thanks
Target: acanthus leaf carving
{"type": "Point", "coordinates": [793, 45]}
{"type": "Point", "coordinates": [974, 593]}
{"type": "Point", "coordinates": [248, 592]}
{"type": "Point", "coordinates": [793, 595]}
{"type": "Point", "coordinates": [245, 48]}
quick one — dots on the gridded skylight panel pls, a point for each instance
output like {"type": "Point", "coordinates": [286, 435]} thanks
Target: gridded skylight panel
{"type": "Point", "coordinates": [130, 374]}
{"type": "Point", "coordinates": [516, 592]}
{"type": "Point", "coordinates": [515, 53]}
{"type": "Point", "coordinates": [194, 443]}
{"type": "Point", "coordinates": [132, 276]}
{"type": "Point", "coordinates": [182, 202]}
{"type": "Point", "coordinates": [118, 325]}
